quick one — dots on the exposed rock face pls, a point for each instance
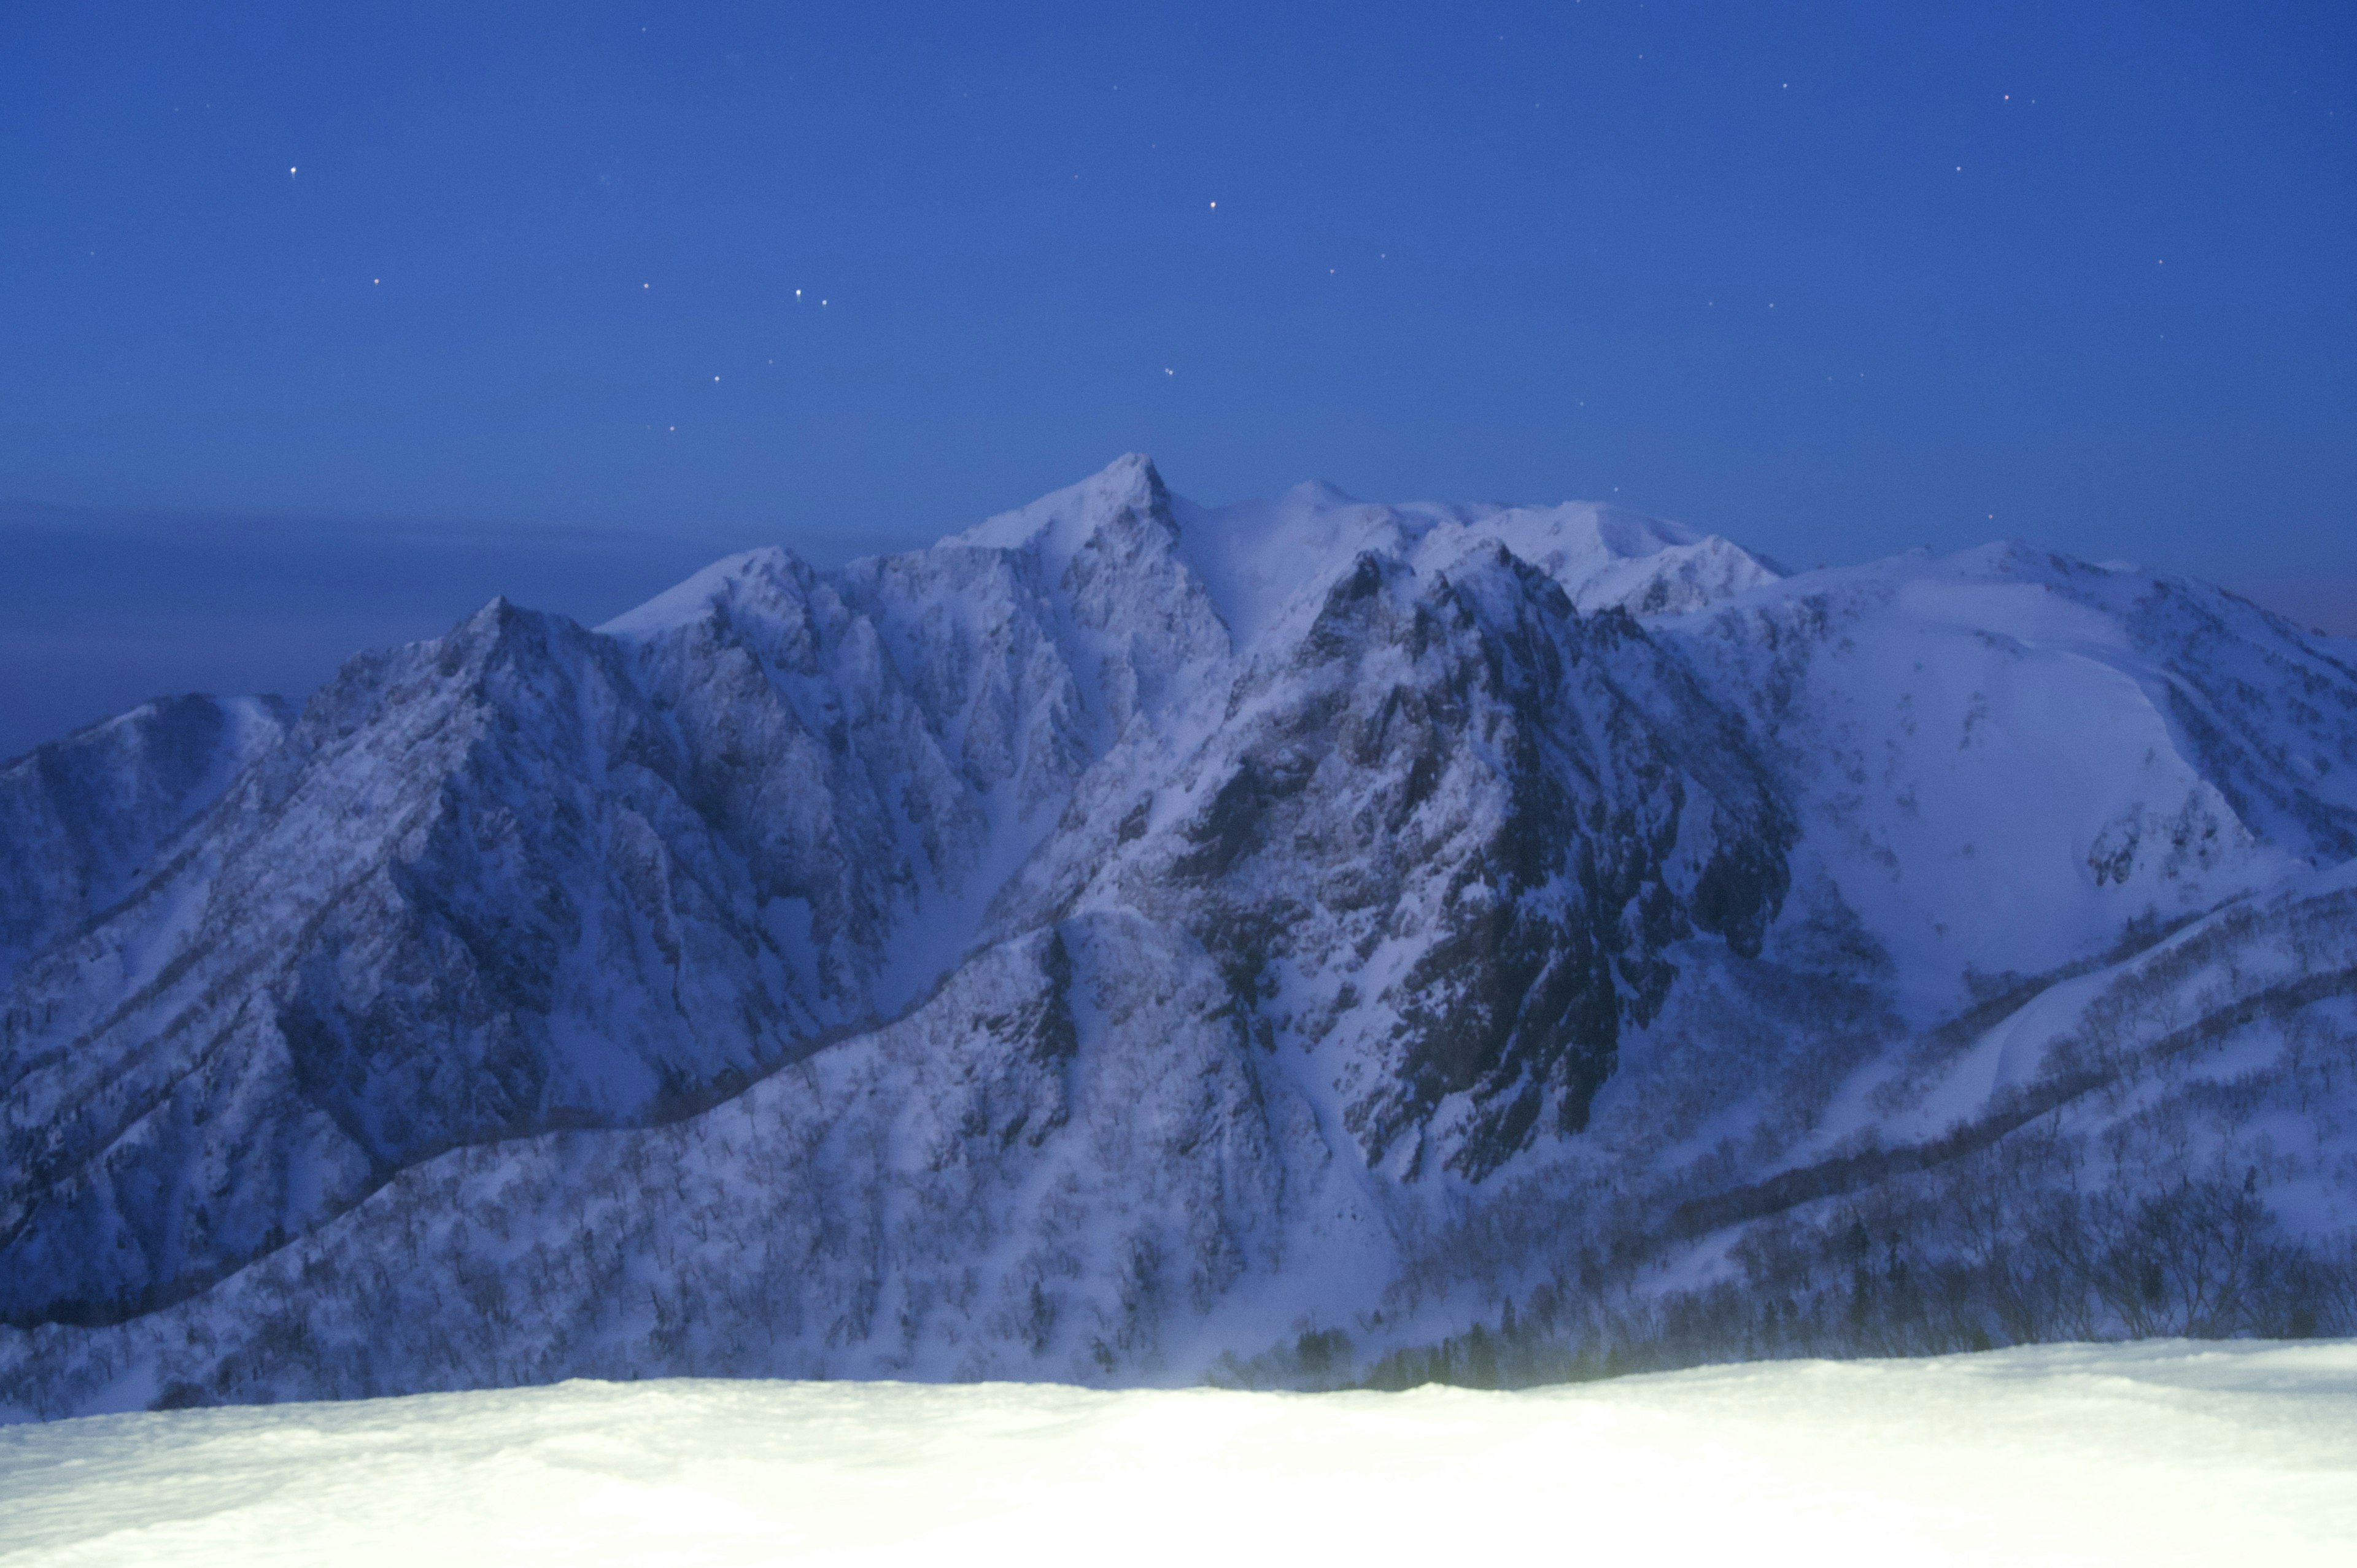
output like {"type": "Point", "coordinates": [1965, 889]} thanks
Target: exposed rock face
{"type": "Point", "coordinates": [1103, 939]}
{"type": "Point", "coordinates": [1486, 817]}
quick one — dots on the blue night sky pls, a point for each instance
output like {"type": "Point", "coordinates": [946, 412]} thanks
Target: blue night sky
{"type": "Point", "coordinates": [320, 325]}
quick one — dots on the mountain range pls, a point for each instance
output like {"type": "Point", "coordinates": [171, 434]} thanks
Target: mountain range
{"type": "Point", "coordinates": [1296, 942]}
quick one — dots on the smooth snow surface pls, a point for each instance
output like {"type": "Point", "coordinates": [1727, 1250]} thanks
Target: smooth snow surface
{"type": "Point", "coordinates": [2151, 1453]}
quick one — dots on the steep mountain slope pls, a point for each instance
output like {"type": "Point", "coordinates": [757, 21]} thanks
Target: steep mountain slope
{"type": "Point", "coordinates": [2005, 754]}
{"type": "Point", "coordinates": [1128, 932]}
{"type": "Point", "coordinates": [86, 819]}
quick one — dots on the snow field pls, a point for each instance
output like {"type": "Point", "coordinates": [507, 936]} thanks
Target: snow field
{"type": "Point", "coordinates": [2158, 1453]}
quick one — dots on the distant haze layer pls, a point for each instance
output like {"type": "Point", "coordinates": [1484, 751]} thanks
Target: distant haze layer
{"type": "Point", "coordinates": [102, 611]}
{"type": "Point", "coordinates": [99, 611]}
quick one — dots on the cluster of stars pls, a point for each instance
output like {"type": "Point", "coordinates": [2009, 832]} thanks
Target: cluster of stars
{"type": "Point", "coordinates": [673, 429]}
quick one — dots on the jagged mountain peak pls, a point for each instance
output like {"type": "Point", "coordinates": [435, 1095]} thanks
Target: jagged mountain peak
{"type": "Point", "coordinates": [1255, 558]}
{"type": "Point", "coordinates": [1060, 522]}
{"type": "Point", "coordinates": [1261, 556]}
{"type": "Point", "coordinates": [1317, 494]}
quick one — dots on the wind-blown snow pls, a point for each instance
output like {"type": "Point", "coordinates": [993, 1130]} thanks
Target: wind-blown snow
{"type": "Point", "coordinates": [2152, 1455]}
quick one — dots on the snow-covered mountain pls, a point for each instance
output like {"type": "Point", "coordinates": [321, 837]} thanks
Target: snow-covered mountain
{"type": "Point", "coordinates": [1130, 932]}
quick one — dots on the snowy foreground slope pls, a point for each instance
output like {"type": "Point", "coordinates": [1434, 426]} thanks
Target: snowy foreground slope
{"type": "Point", "coordinates": [1300, 944]}
{"type": "Point", "coordinates": [2156, 1454]}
